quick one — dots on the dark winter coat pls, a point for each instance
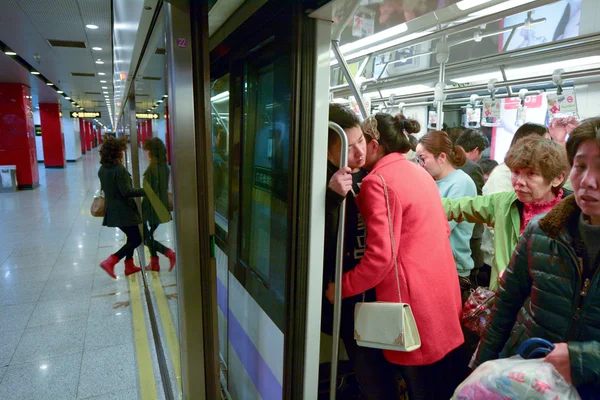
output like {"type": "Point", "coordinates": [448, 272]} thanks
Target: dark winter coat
{"type": "Point", "coordinates": [120, 209]}
{"type": "Point", "coordinates": [545, 293]}
{"type": "Point", "coordinates": [156, 178]}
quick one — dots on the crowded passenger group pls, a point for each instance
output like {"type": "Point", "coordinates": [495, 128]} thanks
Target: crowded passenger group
{"type": "Point", "coordinates": [429, 221]}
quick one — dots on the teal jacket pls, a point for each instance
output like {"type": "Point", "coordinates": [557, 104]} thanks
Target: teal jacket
{"type": "Point", "coordinates": [498, 210]}
{"type": "Point", "coordinates": [457, 185]}
{"type": "Point", "coordinates": [545, 294]}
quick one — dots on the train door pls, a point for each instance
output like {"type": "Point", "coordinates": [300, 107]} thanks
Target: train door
{"type": "Point", "coordinates": [262, 106]}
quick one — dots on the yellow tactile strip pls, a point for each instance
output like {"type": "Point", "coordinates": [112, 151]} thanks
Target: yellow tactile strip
{"type": "Point", "coordinates": [142, 348]}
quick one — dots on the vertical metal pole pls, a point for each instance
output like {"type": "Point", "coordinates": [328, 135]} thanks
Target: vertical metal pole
{"type": "Point", "coordinates": [339, 262]}
{"type": "Point", "coordinates": [440, 103]}
{"type": "Point", "coordinates": [335, 46]}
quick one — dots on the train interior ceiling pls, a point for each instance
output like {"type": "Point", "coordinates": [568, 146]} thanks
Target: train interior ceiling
{"type": "Point", "coordinates": [238, 93]}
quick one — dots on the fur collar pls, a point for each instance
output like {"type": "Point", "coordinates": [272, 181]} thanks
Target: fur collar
{"type": "Point", "coordinates": [557, 219]}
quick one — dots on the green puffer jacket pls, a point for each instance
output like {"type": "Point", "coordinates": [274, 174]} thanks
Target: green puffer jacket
{"type": "Point", "coordinates": [542, 295]}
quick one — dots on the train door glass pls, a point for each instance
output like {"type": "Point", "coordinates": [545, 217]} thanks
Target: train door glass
{"type": "Point", "coordinates": [219, 102]}
{"type": "Point", "coordinates": [265, 144]}
{"type": "Point", "coordinates": [220, 150]}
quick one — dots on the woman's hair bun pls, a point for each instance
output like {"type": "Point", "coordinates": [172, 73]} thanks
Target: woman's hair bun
{"type": "Point", "coordinates": [407, 125]}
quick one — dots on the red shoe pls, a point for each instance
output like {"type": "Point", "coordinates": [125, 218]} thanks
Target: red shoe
{"type": "Point", "coordinates": [170, 254]}
{"type": "Point", "coordinates": [154, 264]}
{"type": "Point", "coordinates": [130, 267]}
{"type": "Point", "coordinates": [109, 265]}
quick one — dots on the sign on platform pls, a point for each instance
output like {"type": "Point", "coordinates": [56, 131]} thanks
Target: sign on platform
{"type": "Point", "coordinates": [86, 114]}
{"type": "Point", "coordinates": [146, 116]}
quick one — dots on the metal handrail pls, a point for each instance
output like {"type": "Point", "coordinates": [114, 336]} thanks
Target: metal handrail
{"type": "Point", "coordinates": [339, 261]}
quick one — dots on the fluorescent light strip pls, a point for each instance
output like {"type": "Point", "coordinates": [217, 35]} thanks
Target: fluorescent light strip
{"type": "Point", "coordinates": [500, 7]}
{"type": "Point", "coordinates": [396, 30]}
{"type": "Point", "coordinates": [468, 4]}
{"type": "Point", "coordinates": [384, 46]}
{"type": "Point", "coordinates": [400, 91]}
{"type": "Point", "coordinates": [220, 97]}
{"type": "Point", "coordinates": [577, 64]}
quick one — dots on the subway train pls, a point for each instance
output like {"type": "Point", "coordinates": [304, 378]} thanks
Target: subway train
{"type": "Point", "coordinates": [271, 70]}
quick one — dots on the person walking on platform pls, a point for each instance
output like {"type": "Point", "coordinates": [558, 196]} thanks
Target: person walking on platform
{"type": "Point", "coordinates": [120, 209]}
{"type": "Point", "coordinates": [155, 205]}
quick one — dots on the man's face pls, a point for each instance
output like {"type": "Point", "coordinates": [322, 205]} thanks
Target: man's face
{"type": "Point", "coordinates": [357, 148]}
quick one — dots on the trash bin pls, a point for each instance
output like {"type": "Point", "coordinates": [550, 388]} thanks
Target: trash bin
{"type": "Point", "coordinates": [8, 178]}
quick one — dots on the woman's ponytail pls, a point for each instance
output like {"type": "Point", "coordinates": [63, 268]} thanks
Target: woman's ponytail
{"type": "Point", "coordinates": [458, 157]}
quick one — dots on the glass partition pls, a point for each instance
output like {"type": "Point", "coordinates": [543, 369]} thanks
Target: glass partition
{"type": "Point", "coordinates": [159, 246]}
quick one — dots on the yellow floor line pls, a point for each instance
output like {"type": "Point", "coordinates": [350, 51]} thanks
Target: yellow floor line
{"type": "Point", "coordinates": [167, 321]}
{"type": "Point", "coordinates": [142, 348]}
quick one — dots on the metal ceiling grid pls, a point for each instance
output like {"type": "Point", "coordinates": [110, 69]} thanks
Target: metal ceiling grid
{"type": "Point", "coordinates": [55, 19]}
{"type": "Point", "coordinates": [26, 25]}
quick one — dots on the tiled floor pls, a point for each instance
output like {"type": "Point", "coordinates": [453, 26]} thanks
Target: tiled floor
{"type": "Point", "coordinates": [66, 328]}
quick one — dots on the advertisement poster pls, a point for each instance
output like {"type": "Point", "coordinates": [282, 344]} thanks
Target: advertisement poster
{"type": "Point", "coordinates": [562, 22]}
{"type": "Point", "coordinates": [509, 123]}
{"type": "Point", "coordinates": [492, 110]}
{"type": "Point", "coordinates": [563, 105]}
{"type": "Point", "coordinates": [473, 116]}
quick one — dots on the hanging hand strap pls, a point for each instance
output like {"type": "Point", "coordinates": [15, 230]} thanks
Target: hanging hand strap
{"type": "Point", "coordinates": [389, 213]}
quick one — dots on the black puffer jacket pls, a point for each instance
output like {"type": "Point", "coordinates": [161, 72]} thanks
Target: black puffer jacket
{"type": "Point", "coordinates": [544, 294]}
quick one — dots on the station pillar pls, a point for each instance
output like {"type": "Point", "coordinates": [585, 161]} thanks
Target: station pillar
{"type": "Point", "coordinates": [17, 133]}
{"type": "Point", "coordinates": [53, 139]}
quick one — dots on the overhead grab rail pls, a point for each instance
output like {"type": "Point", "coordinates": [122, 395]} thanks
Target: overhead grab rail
{"type": "Point", "coordinates": [339, 261]}
{"type": "Point", "coordinates": [484, 87]}
{"type": "Point", "coordinates": [577, 45]}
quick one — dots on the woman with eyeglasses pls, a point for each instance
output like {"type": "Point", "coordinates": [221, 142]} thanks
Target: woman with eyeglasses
{"type": "Point", "coordinates": [441, 159]}
{"type": "Point", "coordinates": [427, 278]}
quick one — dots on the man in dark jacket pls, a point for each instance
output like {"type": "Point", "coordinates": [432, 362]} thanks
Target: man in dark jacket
{"type": "Point", "coordinates": [475, 143]}
{"type": "Point", "coordinates": [344, 183]}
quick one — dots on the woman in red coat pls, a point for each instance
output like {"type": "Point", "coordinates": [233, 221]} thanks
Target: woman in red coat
{"type": "Point", "coordinates": [428, 280]}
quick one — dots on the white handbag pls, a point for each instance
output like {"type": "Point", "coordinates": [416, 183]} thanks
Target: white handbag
{"type": "Point", "coordinates": [385, 325]}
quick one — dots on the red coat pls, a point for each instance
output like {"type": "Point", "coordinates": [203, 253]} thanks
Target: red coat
{"type": "Point", "coordinates": [428, 279]}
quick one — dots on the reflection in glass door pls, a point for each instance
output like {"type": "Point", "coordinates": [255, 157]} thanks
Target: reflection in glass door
{"type": "Point", "coordinates": [257, 241]}
{"type": "Point", "coordinates": [220, 162]}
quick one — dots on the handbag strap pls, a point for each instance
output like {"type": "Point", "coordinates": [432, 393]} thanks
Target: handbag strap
{"type": "Point", "coordinates": [389, 213]}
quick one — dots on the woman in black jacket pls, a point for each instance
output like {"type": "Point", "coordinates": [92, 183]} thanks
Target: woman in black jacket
{"type": "Point", "coordinates": [120, 209]}
{"type": "Point", "coordinates": [155, 206]}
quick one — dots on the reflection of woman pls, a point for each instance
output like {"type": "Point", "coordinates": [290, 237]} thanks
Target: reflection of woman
{"type": "Point", "coordinates": [551, 287]}
{"type": "Point", "coordinates": [538, 169]}
{"type": "Point", "coordinates": [120, 210]}
{"type": "Point", "coordinates": [155, 206]}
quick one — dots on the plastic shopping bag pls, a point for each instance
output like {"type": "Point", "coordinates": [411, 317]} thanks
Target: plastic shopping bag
{"type": "Point", "coordinates": [515, 378]}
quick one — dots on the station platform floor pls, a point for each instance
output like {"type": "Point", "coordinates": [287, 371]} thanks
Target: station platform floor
{"type": "Point", "coordinates": [67, 330]}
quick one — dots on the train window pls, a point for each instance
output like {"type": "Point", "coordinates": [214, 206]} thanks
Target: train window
{"type": "Point", "coordinates": [220, 151]}
{"type": "Point", "coordinates": [264, 172]}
